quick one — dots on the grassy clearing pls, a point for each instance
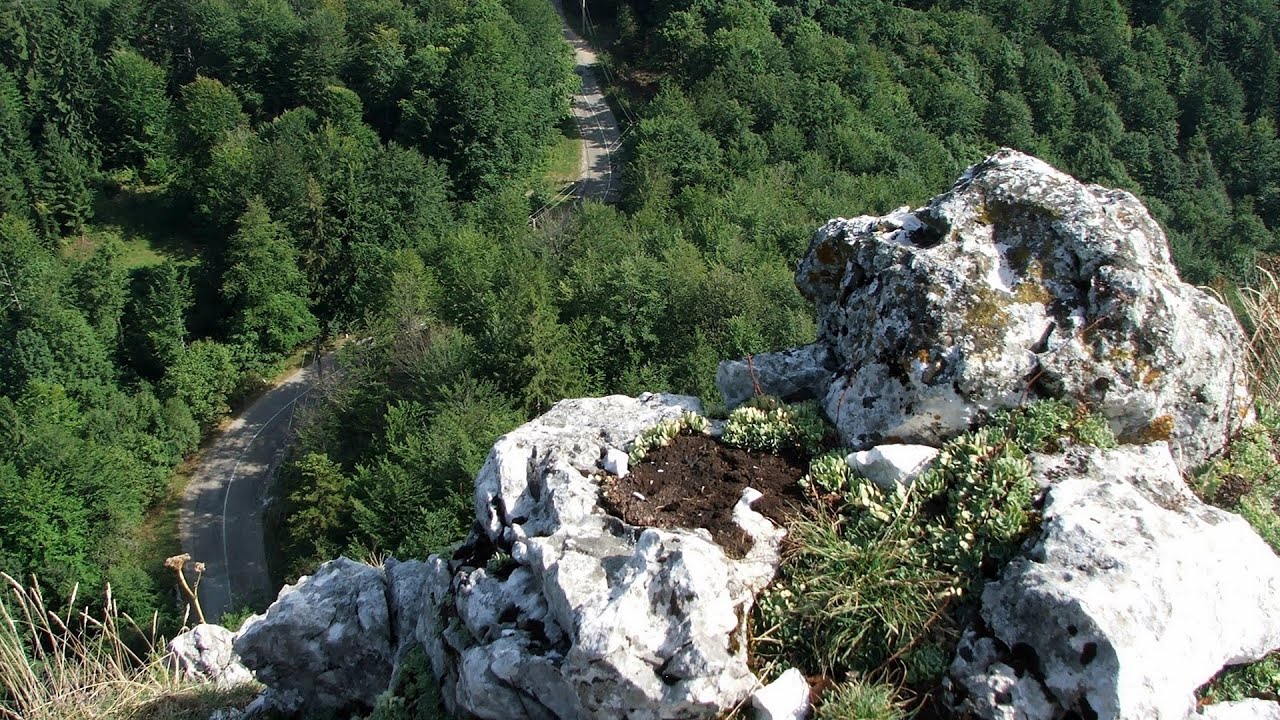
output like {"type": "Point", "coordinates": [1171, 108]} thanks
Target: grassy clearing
{"type": "Point", "coordinates": [78, 666]}
{"type": "Point", "coordinates": [564, 158]}
{"type": "Point", "coordinates": [144, 222]}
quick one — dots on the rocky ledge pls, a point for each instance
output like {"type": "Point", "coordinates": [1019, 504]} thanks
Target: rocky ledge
{"type": "Point", "coordinates": [1018, 283]}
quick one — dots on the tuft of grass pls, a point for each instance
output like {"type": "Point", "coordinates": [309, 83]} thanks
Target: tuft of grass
{"type": "Point", "coordinates": [77, 665]}
{"type": "Point", "coordinates": [857, 700]}
{"type": "Point", "coordinates": [1260, 307]}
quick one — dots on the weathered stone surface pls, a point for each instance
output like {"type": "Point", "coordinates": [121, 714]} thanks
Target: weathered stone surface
{"type": "Point", "coordinates": [326, 641]}
{"type": "Point", "coordinates": [1019, 282]}
{"type": "Point", "coordinates": [786, 698]}
{"type": "Point", "coordinates": [793, 375]}
{"type": "Point", "coordinates": [890, 465]}
{"type": "Point", "coordinates": [583, 616]}
{"type": "Point", "coordinates": [1241, 710]}
{"type": "Point", "coordinates": [1136, 594]}
{"type": "Point", "coordinates": [204, 654]}
{"type": "Point", "coordinates": [407, 588]}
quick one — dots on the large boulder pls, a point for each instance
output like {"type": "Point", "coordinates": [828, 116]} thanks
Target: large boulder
{"type": "Point", "coordinates": [555, 610]}
{"type": "Point", "coordinates": [1136, 594]}
{"type": "Point", "coordinates": [325, 644]}
{"type": "Point", "coordinates": [1019, 282]}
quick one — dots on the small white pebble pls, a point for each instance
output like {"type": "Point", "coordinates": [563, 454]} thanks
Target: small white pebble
{"type": "Point", "coordinates": [637, 496]}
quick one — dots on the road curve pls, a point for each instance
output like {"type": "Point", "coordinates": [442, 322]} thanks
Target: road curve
{"type": "Point", "coordinates": [596, 123]}
{"type": "Point", "coordinates": [220, 523]}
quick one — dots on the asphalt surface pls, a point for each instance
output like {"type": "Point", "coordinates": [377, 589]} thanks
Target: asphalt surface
{"type": "Point", "coordinates": [596, 122]}
{"type": "Point", "coordinates": [221, 519]}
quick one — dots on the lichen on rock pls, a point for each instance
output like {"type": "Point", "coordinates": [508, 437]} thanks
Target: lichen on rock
{"type": "Point", "coordinates": [1020, 282]}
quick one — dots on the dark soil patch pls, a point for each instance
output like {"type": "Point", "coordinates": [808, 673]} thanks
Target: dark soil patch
{"type": "Point", "coordinates": [694, 482]}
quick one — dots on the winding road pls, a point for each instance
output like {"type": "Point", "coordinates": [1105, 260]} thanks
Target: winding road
{"type": "Point", "coordinates": [597, 125]}
{"type": "Point", "coordinates": [221, 518]}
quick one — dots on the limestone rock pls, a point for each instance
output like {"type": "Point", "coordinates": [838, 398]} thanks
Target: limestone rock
{"type": "Point", "coordinates": [1241, 710]}
{"type": "Point", "coordinates": [786, 698]}
{"type": "Point", "coordinates": [1136, 594]}
{"type": "Point", "coordinates": [1017, 283]}
{"type": "Point", "coordinates": [793, 375]}
{"type": "Point", "coordinates": [555, 610]}
{"type": "Point", "coordinates": [890, 465]}
{"type": "Point", "coordinates": [326, 641]}
{"type": "Point", "coordinates": [204, 653]}
{"type": "Point", "coordinates": [615, 462]}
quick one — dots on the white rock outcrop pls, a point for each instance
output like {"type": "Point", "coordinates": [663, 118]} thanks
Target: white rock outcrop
{"type": "Point", "coordinates": [326, 643]}
{"type": "Point", "coordinates": [1252, 709]}
{"type": "Point", "coordinates": [583, 616]}
{"type": "Point", "coordinates": [1136, 594]}
{"type": "Point", "coordinates": [205, 654]}
{"type": "Point", "coordinates": [1019, 282]}
{"type": "Point", "coordinates": [786, 698]}
{"type": "Point", "coordinates": [890, 465]}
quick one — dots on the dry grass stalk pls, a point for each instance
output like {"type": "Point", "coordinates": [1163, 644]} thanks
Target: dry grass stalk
{"type": "Point", "coordinates": [76, 665]}
{"type": "Point", "coordinates": [1261, 305]}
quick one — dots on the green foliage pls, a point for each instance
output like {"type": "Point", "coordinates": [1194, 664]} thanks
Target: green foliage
{"type": "Point", "coordinates": [767, 424]}
{"type": "Point", "coordinates": [1259, 679]}
{"type": "Point", "coordinates": [135, 117]}
{"type": "Point", "coordinates": [1246, 479]}
{"type": "Point", "coordinates": [413, 695]}
{"type": "Point", "coordinates": [264, 289]}
{"type": "Point", "coordinates": [202, 379]}
{"type": "Point", "coordinates": [156, 321]}
{"type": "Point", "coordinates": [829, 473]}
{"type": "Point", "coordinates": [872, 577]}
{"type": "Point", "coordinates": [1044, 426]}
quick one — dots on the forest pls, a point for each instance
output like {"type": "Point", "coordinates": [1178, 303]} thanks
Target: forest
{"type": "Point", "coordinates": [191, 190]}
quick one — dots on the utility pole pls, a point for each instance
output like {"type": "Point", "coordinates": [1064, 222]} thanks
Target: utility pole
{"type": "Point", "coordinates": [7, 283]}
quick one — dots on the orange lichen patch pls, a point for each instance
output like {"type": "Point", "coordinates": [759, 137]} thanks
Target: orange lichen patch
{"type": "Point", "coordinates": [1160, 428]}
{"type": "Point", "coordinates": [1151, 375]}
{"type": "Point", "coordinates": [922, 355]}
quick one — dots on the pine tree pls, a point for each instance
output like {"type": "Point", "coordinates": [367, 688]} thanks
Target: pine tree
{"type": "Point", "coordinates": [63, 197]}
{"type": "Point", "coordinates": [263, 288]}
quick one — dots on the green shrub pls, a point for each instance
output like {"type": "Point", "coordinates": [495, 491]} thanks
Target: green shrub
{"type": "Point", "coordinates": [766, 424]}
{"type": "Point", "coordinates": [663, 433]}
{"type": "Point", "coordinates": [829, 472]}
{"type": "Point", "coordinates": [414, 695]}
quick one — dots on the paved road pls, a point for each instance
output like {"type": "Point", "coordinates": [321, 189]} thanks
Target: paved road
{"type": "Point", "coordinates": [221, 519]}
{"type": "Point", "coordinates": [596, 123]}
